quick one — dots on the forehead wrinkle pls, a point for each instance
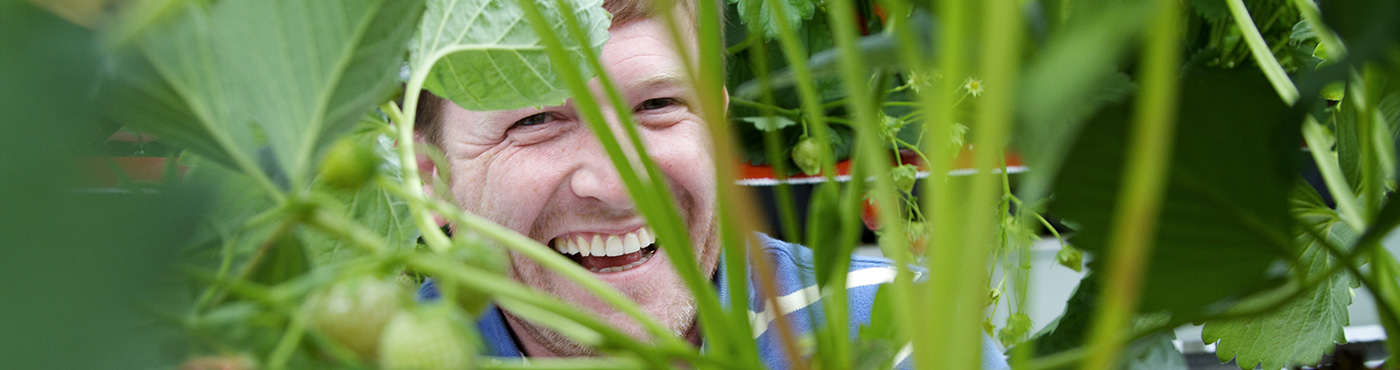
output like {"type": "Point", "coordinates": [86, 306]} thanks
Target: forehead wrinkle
{"type": "Point", "coordinates": [666, 77]}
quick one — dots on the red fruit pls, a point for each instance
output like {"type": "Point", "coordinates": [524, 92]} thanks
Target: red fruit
{"type": "Point", "coordinates": [870, 214]}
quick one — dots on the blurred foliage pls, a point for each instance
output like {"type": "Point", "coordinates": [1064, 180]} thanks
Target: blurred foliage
{"type": "Point", "coordinates": [78, 264]}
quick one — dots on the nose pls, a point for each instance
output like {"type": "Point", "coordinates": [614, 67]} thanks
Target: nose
{"type": "Point", "coordinates": [596, 178]}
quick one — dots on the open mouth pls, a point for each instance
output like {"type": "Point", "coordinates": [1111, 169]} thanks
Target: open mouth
{"type": "Point", "coordinates": [602, 253]}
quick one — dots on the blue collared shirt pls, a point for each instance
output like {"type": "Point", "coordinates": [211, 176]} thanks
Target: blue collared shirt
{"type": "Point", "coordinates": [798, 300]}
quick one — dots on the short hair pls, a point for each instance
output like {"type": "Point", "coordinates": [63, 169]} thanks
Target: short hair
{"type": "Point", "coordinates": [429, 111]}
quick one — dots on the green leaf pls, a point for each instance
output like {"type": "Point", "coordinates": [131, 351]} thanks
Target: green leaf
{"type": "Point", "coordinates": [371, 206]}
{"type": "Point", "coordinates": [285, 259]}
{"type": "Point", "coordinates": [291, 73]}
{"type": "Point", "coordinates": [235, 201]}
{"type": "Point", "coordinates": [1369, 29]}
{"type": "Point", "coordinates": [769, 123]}
{"type": "Point", "coordinates": [1155, 352]}
{"type": "Point", "coordinates": [881, 51]}
{"type": "Point", "coordinates": [1224, 219]}
{"type": "Point", "coordinates": [1072, 327]}
{"type": "Point", "coordinates": [1348, 145]}
{"type": "Point", "coordinates": [796, 11]}
{"type": "Point", "coordinates": [1073, 78]}
{"type": "Point", "coordinates": [1303, 329]}
{"type": "Point", "coordinates": [483, 55]}
{"type": "Point", "coordinates": [1215, 10]}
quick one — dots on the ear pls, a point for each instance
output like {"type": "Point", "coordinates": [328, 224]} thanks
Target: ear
{"type": "Point", "coordinates": [427, 170]}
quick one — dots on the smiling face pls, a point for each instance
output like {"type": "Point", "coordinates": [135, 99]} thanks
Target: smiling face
{"type": "Point", "coordinates": [543, 173]}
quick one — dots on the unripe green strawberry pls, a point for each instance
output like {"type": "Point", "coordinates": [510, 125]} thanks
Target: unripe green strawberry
{"type": "Point", "coordinates": [904, 177]}
{"type": "Point", "coordinates": [349, 165]}
{"type": "Point", "coordinates": [806, 155]}
{"type": "Point", "coordinates": [1070, 257]}
{"type": "Point", "coordinates": [354, 312]}
{"type": "Point", "coordinates": [1017, 326]}
{"type": "Point", "coordinates": [426, 338]}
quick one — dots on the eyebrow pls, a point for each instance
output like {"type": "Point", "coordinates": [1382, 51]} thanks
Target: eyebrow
{"type": "Point", "coordinates": [662, 78]}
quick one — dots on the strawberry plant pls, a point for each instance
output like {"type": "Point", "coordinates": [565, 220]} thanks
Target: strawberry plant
{"type": "Point", "coordinates": [1165, 138]}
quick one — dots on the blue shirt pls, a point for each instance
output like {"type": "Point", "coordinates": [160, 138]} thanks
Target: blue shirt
{"type": "Point", "coordinates": [798, 300]}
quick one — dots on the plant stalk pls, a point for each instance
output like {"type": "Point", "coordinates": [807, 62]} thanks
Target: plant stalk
{"type": "Point", "coordinates": [933, 340]}
{"type": "Point", "coordinates": [1277, 77]}
{"type": "Point", "coordinates": [1143, 186]}
{"type": "Point", "coordinates": [408, 162]}
{"type": "Point", "coordinates": [1320, 146]}
{"type": "Point", "coordinates": [872, 158]}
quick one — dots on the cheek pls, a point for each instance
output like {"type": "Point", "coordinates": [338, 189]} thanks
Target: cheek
{"type": "Point", "coordinates": [683, 151]}
{"type": "Point", "coordinates": [506, 187]}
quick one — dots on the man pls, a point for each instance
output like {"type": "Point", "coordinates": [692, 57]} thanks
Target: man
{"type": "Point", "coordinates": [541, 172]}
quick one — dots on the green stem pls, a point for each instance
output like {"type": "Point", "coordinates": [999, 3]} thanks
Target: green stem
{"type": "Point", "coordinates": [339, 226]}
{"type": "Point", "coordinates": [1143, 186]}
{"type": "Point", "coordinates": [871, 156]}
{"type": "Point", "coordinates": [796, 57]}
{"type": "Point", "coordinates": [744, 44]}
{"type": "Point", "coordinates": [772, 145]}
{"type": "Point", "coordinates": [932, 336]}
{"type": "Point", "coordinates": [1320, 147]}
{"type": "Point", "coordinates": [510, 363]}
{"type": "Point", "coordinates": [765, 106]}
{"type": "Point", "coordinates": [288, 343]}
{"type": "Point", "coordinates": [1277, 77]}
{"type": "Point", "coordinates": [212, 294]}
{"type": "Point", "coordinates": [408, 163]}
{"type": "Point", "coordinates": [499, 286]}
{"type": "Point", "coordinates": [1054, 232]}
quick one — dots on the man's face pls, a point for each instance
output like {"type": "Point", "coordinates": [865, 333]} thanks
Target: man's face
{"type": "Point", "coordinates": [543, 173]}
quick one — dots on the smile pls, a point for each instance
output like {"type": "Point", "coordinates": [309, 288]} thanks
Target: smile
{"type": "Point", "coordinates": [602, 253]}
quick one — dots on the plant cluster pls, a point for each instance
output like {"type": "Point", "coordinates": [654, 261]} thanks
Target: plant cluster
{"type": "Point", "coordinates": [1164, 133]}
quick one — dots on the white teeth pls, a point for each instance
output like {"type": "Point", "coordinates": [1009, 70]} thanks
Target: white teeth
{"type": "Point", "coordinates": [599, 248]}
{"type": "Point", "coordinates": [630, 244]}
{"type": "Point", "coordinates": [614, 246]}
{"type": "Point", "coordinates": [605, 245]}
{"type": "Point", "coordinates": [646, 237]}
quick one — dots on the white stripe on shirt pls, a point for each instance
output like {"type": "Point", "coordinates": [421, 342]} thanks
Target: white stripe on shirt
{"type": "Point", "coordinates": [807, 296]}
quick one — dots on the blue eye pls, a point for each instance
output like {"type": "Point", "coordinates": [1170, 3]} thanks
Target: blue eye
{"type": "Point", "coordinates": [658, 103]}
{"type": "Point", "coordinates": [535, 119]}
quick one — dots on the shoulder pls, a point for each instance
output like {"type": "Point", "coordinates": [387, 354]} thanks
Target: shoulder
{"type": "Point", "coordinates": [784, 253]}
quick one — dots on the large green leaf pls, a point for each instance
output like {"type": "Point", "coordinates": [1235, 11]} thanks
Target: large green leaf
{"type": "Point", "coordinates": [1076, 75]}
{"type": "Point", "coordinates": [226, 80]}
{"type": "Point", "coordinates": [483, 55]}
{"type": "Point", "coordinates": [1224, 219]}
{"type": "Point", "coordinates": [1301, 331]}
{"type": "Point", "coordinates": [758, 14]}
